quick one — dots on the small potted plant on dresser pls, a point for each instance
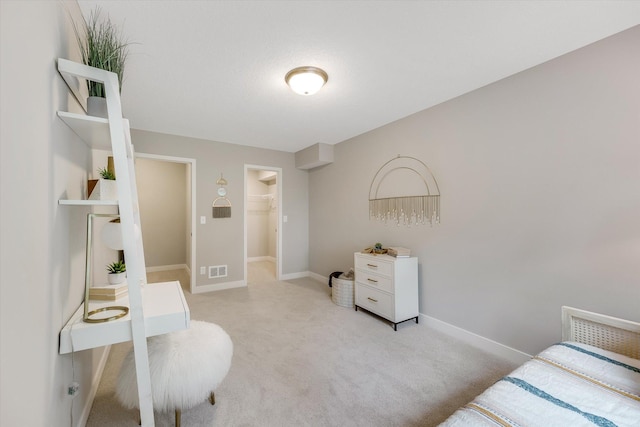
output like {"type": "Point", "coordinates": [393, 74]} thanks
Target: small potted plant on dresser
{"type": "Point", "coordinates": [117, 272]}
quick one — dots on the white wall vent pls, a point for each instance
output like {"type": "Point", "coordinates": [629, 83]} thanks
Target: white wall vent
{"type": "Point", "coordinates": [216, 271]}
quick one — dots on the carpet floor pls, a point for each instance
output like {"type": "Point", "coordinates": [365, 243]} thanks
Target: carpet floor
{"type": "Point", "coordinates": [300, 360]}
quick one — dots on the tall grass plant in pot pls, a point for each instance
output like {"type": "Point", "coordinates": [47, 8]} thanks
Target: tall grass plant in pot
{"type": "Point", "coordinates": [103, 46]}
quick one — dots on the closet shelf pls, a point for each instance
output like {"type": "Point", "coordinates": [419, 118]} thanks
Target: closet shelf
{"type": "Point", "coordinates": [165, 310]}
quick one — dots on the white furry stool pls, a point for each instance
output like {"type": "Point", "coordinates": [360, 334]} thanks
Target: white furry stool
{"type": "Point", "coordinates": [186, 367]}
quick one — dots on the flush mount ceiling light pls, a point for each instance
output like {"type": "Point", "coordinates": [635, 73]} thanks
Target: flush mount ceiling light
{"type": "Point", "coordinates": [306, 80]}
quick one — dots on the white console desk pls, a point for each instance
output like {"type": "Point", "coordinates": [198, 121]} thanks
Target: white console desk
{"type": "Point", "coordinates": [165, 310]}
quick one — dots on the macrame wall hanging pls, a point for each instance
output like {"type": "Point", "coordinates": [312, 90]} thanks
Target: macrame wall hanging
{"type": "Point", "coordinates": [404, 191]}
{"type": "Point", "coordinates": [221, 205]}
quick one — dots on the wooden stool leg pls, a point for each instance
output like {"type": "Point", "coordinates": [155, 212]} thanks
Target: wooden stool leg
{"type": "Point", "coordinates": [212, 398]}
{"type": "Point", "coordinates": [177, 418]}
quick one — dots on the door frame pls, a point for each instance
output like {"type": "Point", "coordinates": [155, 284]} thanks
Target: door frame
{"type": "Point", "coordinates": [192, 162]}
{"type": "Point", "coordinates": [278, 171]}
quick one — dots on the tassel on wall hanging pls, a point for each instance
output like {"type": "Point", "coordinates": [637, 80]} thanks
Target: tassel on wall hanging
{"type": "Point", "coordinates": [404, 191]}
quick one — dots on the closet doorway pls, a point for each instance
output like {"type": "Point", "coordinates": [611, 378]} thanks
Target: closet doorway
{"type": "Point", "coordinates": [166, 194]}
{"type": "Point", "coordinates": [262, 223]}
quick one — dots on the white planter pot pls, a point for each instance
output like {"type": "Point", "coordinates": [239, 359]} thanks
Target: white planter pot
{"type": "Point", "coordinates": [105, 189]}
{"type": "Point", "coordinates": [116, 278]}
{"type": "Point", "coordinates": [97, 107]}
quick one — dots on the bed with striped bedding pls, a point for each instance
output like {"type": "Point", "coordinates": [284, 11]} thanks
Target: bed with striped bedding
{"type": "Point", "coordinates": [568, 384]}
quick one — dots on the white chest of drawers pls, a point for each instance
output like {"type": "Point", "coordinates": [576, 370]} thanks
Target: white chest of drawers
{"type": "Point", "coordinates": [387, 286]}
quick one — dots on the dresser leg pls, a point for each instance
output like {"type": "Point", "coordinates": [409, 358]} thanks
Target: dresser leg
{"type": "Point", "coordinates": [417, 319]}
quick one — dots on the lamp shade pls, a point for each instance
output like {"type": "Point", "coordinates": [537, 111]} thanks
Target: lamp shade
{"type": "Point", "coordinates": [111, 234]}
{"type": "Point", "coordinates": [306, 80]}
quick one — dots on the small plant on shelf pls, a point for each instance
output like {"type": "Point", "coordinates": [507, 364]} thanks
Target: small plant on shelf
{"type": "Point", "coordinates": [117, 272]}
{"type": "Point", "coordinates": [117, 267]}
{"type": "Point", "coordinates": [106, 174]}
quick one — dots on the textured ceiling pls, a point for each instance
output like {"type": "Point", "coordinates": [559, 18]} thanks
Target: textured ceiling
{"type": "Point", "coordinates": [215, 69]}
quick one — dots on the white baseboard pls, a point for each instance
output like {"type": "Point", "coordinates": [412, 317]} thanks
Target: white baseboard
{"type": "Point", "coordinates": [291, 276]}
{"type": "Point", "coordinates": [95, 383]}
{"type": "Point", "coordinates": [475, 340]}
{"type": "Point", "coordinates": [167, 267]}
{"type": "Point", "coordinates": [490, 346]}
{"type": "Point", "coordinates": [219, 286]}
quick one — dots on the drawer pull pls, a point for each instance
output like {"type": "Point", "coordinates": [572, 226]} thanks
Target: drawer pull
{"type": "Point", "coordinates": [372, 265]}
{"type": "Point", "coordinates": [371, 280]}
{"type": "Point", "coordinates": [372, 300]}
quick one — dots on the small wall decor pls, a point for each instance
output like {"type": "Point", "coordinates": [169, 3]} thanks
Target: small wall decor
{"type": "Point", "coordinates": [404, 191]}
{"type": "Point", "coordinates": [221, 205]}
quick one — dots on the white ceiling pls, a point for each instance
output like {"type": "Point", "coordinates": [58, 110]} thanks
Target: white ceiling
{"type": "Point", "coordinates": [215, 69]}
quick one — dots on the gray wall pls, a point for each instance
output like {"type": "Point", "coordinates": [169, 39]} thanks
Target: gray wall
{"type": "Point", "coordinates": [164, 201]}
{"type": "Point", "coordinates": [540, 182]}
{"type": "Point", "coordinates": [42, 244]}
{"type": "Point", "coordinates": [221, 241]}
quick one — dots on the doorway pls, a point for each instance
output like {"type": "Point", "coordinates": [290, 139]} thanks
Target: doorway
{"type": "Point", "coordinates": [166, 194]}
{"type": "Point", "coordinates": [262, 223]}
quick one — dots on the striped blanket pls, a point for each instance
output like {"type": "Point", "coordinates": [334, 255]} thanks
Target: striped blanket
{"type": "Point", "coordinates": [568, 384]}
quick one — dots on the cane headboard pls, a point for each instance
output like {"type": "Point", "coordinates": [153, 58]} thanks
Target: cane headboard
{"type": "Point", "coordinates": [606, 332]}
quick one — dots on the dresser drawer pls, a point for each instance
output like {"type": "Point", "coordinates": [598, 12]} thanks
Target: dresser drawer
{"type": "Point", "coordinates": [374, 280]}
{"type": "Point", "coordinates": [372, 299]}
{"type": "Point", "coordinates": [371, 264]}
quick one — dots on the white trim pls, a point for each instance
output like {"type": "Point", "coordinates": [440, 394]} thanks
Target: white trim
{"type": "Point", "coordinates": [219, 286]}
{"type": "Point", "coordinates": [291, 276]}
{"type": "Point", "coordinates": [490, 346]}
{"type": "Point", "coordinates": [192, 162]}
{"type": "Point", "coordinates": [168, 267]}
{"type": "Point", "coordinates": [95, 384]}
{"type": "Point", "coordinates": [279, 196]}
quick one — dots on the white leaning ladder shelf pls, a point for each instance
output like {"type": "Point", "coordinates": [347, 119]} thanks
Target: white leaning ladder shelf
{"type": "Point", "coordinates": [157, 320]}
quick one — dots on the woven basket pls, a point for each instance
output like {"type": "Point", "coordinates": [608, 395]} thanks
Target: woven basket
{"type": "Point", "coordinates": [342, 292]}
